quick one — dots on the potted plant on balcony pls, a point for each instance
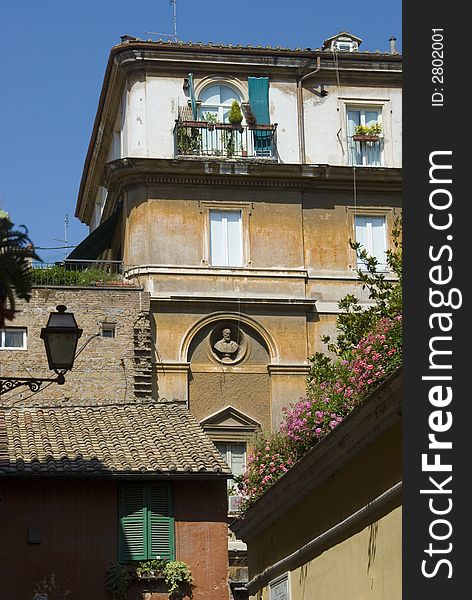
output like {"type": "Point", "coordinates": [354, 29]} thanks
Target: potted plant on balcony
{"type": "Point", "coordinates": [235, 116]}
{"type": "Point", "coordinates": [367, 133]}
{"type": "Point", "coordinates": [188, 140]}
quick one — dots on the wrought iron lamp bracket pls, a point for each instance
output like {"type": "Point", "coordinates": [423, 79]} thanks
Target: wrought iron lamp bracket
{"type": "Point", "coordinates": [7, 384]}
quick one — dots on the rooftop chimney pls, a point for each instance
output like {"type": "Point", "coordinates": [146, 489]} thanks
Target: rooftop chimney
{"type": "Point", "coordinates": [393, 46]}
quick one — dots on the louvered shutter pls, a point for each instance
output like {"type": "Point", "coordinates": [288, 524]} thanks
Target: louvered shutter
{"type": "Point", "coordinates": [160, 522]}
{"type": "Point", "coordinates": [133, 534]}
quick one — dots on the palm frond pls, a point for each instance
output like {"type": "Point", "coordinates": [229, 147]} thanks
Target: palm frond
{"type": "Point", "coordinates": [16, 254]}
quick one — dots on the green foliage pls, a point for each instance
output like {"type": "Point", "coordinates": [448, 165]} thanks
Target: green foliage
{"type": "Point", "coordinates": [16, 254]}
{"type": "Point", "coordinates": [374, 129]}
{"type": "Point", "coordinates": [230, 144]}
{"type": "Point", "coordinates": [118, 580]}
{"type": "Point", "coordinates": [176, 575]}
{"type": "Point", "coordinates": [51, 587]}
{"type": "Point", "coordinates": [356, 321]}
{"type": "Point", "coordinates": [188, 140]}
{"type": "Point", "coordinates": [210, 117]}
{"type": "Point", "coordinates": [235, 116]}
{"type": "Point", "coordinates": [151, 568]}
{"type": "Point", "coordinates": [59, 275]}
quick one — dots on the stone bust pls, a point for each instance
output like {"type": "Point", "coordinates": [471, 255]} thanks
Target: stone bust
{"type": "Point", "coordinates": [226, 346]}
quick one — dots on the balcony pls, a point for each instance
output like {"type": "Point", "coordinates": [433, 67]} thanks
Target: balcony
{"type": "Point", "coordinates": [79, 273]}
{"type": "Point", "coordinates": [365, 150]}
{"type": "Point", "coordinates": [201, 138]}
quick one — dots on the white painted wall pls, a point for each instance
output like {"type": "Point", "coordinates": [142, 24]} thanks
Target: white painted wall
{"type": "Point", "coordinates": [150, 108]}
{"type": "Point", "coordinates": [325, 122]}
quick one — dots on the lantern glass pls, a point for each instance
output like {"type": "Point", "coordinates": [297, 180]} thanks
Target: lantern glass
{"type": "Point", "coordinates": [61, 347]}
{"type": "Point", "coordinates": [60, 339]}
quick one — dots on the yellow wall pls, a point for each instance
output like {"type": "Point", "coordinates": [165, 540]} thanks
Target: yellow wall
{"type": "Point", "coordinates": [365, 566]}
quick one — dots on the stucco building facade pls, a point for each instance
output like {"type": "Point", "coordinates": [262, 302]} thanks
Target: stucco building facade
{"type": "Point", "coordinates": [242, 227]}
{"type": "Point", "coordinates": [239, 230]}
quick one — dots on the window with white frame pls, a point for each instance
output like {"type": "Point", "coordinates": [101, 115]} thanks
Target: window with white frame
{"type": "Point", "coordinates": [279, 589]}
{"type": "Point", "coordinates": [226, 239]}
{"type": "Point", "coordinates": [234, 453]}
{"type": "Point", "coordinates": [216, 100]}
{"type": "Point", "coordinates": [364, 149]}
{"type": "Point", "coordinates": [371, 234]}
{"type": "Point", "coordinates": [13, 338]}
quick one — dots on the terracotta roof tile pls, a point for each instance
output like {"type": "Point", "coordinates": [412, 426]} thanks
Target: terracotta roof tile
{"type": "Point", "coordinates": [116, 439]}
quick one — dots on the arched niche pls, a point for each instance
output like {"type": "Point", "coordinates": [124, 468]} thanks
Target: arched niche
{"type": "Point", "coordinates": [228, 366]}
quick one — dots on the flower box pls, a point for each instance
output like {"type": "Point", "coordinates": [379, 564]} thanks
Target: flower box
{"type": "Point", "coordinates": [202, 124]}
{"type": "Point", "coordinates": [361, 137]}
{"type": "Point", "coordinates": [229, 126]}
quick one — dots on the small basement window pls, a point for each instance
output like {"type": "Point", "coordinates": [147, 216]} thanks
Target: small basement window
{"type": "Point", "coordinates": [13, 338]}
{"type": "Point", "coordinates": [108, 330]}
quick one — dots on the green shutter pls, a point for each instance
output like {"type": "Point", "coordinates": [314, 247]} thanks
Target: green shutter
{"type": "Point", "coordinates": [193, 101]}
{"type": "Point", "coordinates": [133, 526]}
{"type": "Point", "coordinates": [258, 88]}
{"type": "Point", "coordinates": [160, 520]}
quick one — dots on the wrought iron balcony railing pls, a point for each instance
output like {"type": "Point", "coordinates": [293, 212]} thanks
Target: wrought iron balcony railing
{"type": "Point", "coordinates": [82, 273]}
{"type": "Point", "coordinates": [201, 138]}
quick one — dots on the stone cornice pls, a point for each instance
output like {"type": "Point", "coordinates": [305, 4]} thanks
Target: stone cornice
{"type": "Point", "coordinates": [378, 413]}
{"type": "Point", "coordinates": [130, 172]}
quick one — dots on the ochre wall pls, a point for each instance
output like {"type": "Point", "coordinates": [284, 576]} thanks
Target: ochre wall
{"type": "Point", "coordinates": [78, 520]}
{"type": "Point", "coordinates": [364, 478]}
{"type": "Point", "coordinates": [365, 566]}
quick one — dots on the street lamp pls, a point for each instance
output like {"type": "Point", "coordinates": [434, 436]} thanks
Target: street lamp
{"type": "Point", "coordinates": [60, 336]}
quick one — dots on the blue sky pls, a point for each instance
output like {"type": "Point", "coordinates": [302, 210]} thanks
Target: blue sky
{"type": "Point", "coordinates": [53, 60]}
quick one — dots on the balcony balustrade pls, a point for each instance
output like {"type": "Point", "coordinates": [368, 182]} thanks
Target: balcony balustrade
{"type": "Point", "coordinates": [201, 138]}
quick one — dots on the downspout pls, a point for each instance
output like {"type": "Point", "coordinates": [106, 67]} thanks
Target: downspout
{"type": "Point", "coordinates": [301, 118]}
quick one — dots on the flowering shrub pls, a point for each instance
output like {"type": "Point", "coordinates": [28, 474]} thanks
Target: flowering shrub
{"type": "Point", "coordinates": [271, 457]}
{"type": "Point", "coordinates": [337, 388]}
{"type": "Point", "coordinates": [330, 400]}
{"type": "Point", "coordinates": [368, 349]}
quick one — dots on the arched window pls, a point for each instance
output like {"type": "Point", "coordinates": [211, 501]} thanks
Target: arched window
{"type": "Point", "coordinates": [216, 100]}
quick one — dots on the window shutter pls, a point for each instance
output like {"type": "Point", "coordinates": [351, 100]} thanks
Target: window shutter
{"type": "Point", "coordinates": [217, 239]}
{"type": "Point", "coordinates": [361, 238]}
{"type": "Point", "coordinates": [258, 88]}
{"type": "Point", "coordinates": [238, 458]}
{"type": "Point", "coordinates": [234, 234]}
{"type": "Point", "coordinates": [132, 537]}
{"type": "Point", "coordinates": [378, 240]}
{"type": "Point", "coordinates": [160, 522]}
{"type": "Point", "coordinates": [193, 100]}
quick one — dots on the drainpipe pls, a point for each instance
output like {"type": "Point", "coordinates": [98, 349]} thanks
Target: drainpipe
{"type": "Point", "coordinates": [301, 118]}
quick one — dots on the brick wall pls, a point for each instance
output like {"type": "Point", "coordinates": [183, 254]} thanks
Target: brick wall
{"type": "Point", "coordinates": [115, 369]}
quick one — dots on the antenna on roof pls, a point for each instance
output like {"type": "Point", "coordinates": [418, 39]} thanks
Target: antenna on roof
{"type": "Point", "coordinates": [173, 36]}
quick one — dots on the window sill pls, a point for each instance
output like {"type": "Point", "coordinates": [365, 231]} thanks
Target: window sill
{"type": "Point", "coordinates": [13, 349]}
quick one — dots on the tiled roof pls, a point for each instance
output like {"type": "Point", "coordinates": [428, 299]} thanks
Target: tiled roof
{"type": "Point", "coordinates": [223, 46]}
{"type": "Point", "coordinates": [116, 439]}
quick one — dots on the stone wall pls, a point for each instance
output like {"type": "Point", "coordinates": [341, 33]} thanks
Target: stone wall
{"type": "Point", "coordinates": [106, 368]}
